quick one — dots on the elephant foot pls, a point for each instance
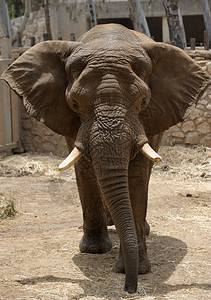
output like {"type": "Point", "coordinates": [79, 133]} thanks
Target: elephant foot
{"type": "Point", "coordinates": [144, 265]}
{"type": "Point", "coordinates": [95, 243]}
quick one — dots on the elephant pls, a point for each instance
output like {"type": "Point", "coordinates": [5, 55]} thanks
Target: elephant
{"type": "Point", "coordinates": [111, 94]}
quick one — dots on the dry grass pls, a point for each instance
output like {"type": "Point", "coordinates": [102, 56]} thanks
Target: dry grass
{"type": "Point", "coordinates": [7, 207]}
{"type": "Point", "coordinates": [189, 162]}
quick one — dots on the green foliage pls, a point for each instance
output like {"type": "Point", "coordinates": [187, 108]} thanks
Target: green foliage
{"type": "Point", "coordinates": [16, 7]}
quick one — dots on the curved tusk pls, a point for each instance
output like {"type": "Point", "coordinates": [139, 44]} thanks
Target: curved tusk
{"type": "Point", "coordinates": [72, 158]}
{"type": "Point", "coordinates": [150, 153]}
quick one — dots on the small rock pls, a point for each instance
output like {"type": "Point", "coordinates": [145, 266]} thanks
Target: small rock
{"type": "Point", "coordinates": [188, 126]}
{"type": "Point", "coordinates": [191, 138]}
{"type": "Point", "coordinates": [189, 195]}
{"type": "Point", "coordinates": [203, 128]}
{"type": "Point", "coordinates": [165, 168]}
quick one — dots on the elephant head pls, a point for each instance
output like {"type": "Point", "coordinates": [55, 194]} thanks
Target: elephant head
{"type": "Point", "coordinates": [109, 91]}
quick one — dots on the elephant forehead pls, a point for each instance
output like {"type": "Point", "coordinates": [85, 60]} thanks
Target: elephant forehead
{"type": "Point", "coordinates": [103, 51]}
{"type": "Point", "coordinates": [117, 48]}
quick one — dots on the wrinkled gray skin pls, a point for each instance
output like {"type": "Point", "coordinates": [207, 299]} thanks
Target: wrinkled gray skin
{"type": "Point", "coordinates": [108, 94]}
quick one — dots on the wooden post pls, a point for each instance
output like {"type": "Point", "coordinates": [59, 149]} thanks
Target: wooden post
{"type": "Point", "coordinates": [6, 48]}
{"type": "Point", "coordinates": [72, 37]}
{"type": "Point", "coordinates": [192, 43]}
{"type": "Point", "coordinates": [206, 40]}
{"type": "Point", "coordinates": [45, 36]}
{"type": "Point", "coordinates": [59, 36]}
{"type": "Point", "coordinates": [32, 41]}
{"type": "Point", "coordinates": [9, 114]}
{"type": "Point", "coordinates": [2, 116]}
{"type": "Point", "coordinates": [5, 115]}
{"type": "Point", "coordinates": [207, 18]}
{"type": "Point", "coordinates": [4, 19]}
{"type": "Point", "coordinates": [92, 13]}
{"type": "Point", "coordinates": [19, 39]}
{"type": "Point", "coordinates": [16, 120]}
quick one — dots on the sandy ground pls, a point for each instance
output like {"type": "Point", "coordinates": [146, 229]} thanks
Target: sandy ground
{"type": "Point", "coordinates": [39, 256]}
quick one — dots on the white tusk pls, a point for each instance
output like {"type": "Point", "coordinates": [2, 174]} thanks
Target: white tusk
{"type": "Point", "coordinates": [150, 153]}
{"type": "Point", "coordinates": [72, 158]}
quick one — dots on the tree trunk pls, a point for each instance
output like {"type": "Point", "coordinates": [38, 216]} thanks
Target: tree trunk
{"type": "Point", "coordinates": [47, 20]}
{"type": "Point", "coordinates": [25, 19]}
{"type": "Point", "coordinates": [175, 23]}
{"type": "Point", "coordinates": [207, 18]}
{"type": "Point", "coordinates": [138, 17]}
{"type": "Point", "coordinates": [4, 22]}
{"type": "Point", "coordinates": [92, 13]}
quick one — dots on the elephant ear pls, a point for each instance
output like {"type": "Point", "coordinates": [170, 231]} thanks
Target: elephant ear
{"type": "Point", "coordinates": [176, 82]}
{"type": "Point", "coordinates": [38, 77]}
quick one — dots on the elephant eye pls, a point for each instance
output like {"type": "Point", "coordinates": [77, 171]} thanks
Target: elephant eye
{"type": "Point", "coordinates": [144, 102]}
{"type": "Point", "coordinates": [75, 105]}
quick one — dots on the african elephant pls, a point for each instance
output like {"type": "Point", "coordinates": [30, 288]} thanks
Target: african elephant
{"type": "Point", "coordinates": [111, 94]}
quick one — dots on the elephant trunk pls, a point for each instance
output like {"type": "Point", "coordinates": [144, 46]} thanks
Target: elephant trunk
{"type": "Point", "coordinates": [113, 182]}
{"type": "Point", "coordinates": [110, 147]}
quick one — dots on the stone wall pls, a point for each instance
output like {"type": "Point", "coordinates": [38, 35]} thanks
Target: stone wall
{"type": "Point", "coordinates": [36, 137]}
{"type": "Point", "coordinates": [35, 27]}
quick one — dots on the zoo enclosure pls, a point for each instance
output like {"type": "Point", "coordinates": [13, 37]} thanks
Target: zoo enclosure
{"type": "Point", "coordinates": [9, 106]}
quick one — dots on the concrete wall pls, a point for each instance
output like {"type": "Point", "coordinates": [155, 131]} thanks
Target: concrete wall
{"type": "Point", "coordinates": [73, 16]}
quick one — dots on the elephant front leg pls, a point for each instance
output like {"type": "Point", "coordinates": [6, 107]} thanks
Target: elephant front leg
{"type": "Point", "coordinates": [95, 238]}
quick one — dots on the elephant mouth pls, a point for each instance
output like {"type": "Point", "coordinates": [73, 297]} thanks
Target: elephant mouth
{"type": "Point", "coordinates": [76, 154]}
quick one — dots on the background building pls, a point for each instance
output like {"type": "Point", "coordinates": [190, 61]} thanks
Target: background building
{"type": "Point", "coordinates": [72, 17]}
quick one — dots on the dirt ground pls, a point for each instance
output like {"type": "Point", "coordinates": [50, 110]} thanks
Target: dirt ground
{"type": "Point", "coordinates": [39, 256]}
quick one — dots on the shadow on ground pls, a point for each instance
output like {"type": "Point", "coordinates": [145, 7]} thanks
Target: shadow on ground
{"type": "Point", "coordinates": [165, 254]}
